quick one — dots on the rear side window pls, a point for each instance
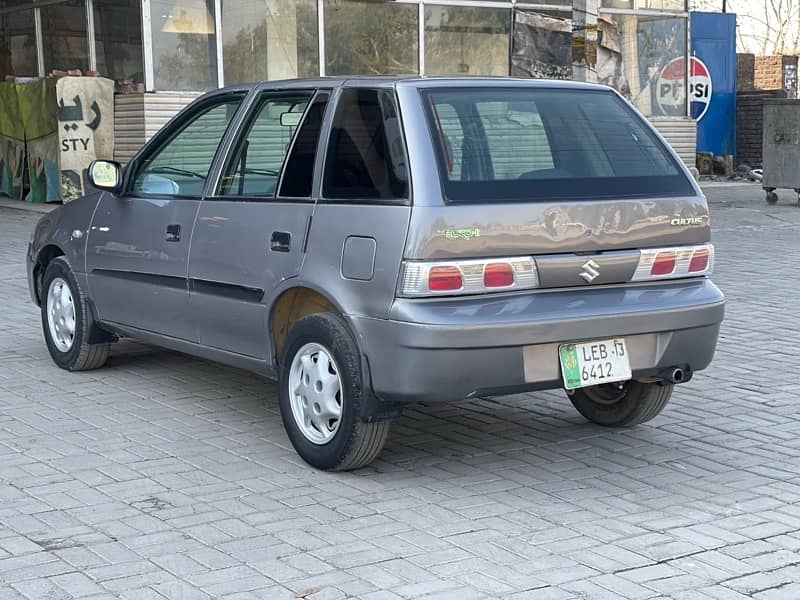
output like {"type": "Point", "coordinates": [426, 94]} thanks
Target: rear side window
{"type": "Point", "coordinates": [366, 157]}
{"type": "Point", "coordinates": [259, 156]}
{"type": "Point", "coordinates": [524, 145]}
{"type": "Point", "coordinates": [299, 170]}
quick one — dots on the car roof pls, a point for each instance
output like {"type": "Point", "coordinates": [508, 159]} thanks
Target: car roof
{"type": "Point", "coordinates": [416, 81]}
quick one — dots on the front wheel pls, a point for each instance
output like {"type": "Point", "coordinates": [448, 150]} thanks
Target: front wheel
{"type": "Point", "coordinates": [621, 404]}
{"type": "Point", "coordinates": [67, 321]}
{"type": "Point", "coordinates": [321, 392]}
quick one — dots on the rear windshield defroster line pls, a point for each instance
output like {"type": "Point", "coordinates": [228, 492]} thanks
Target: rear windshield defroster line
{"type": "Point", "coordinates": [505, 144]}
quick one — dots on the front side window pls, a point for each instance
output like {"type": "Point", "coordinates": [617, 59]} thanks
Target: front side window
{"type": "Point", "coordinates": [366, 156]}
{"type": "Point", "coordinates": [523, 144]}
{"type": "Point", "coordinates": [180, 166]}
{"type": "Point", "coordinates": [256, 164]}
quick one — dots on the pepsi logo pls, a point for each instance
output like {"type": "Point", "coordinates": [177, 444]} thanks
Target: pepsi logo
{"type": "Point", "coordinates": [670, 88]}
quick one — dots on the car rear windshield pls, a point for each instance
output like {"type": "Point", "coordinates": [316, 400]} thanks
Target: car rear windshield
{"type": "Point", "coordinates": [506, 144]}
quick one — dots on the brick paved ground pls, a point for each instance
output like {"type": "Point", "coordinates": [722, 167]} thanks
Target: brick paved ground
{"type": "Point", "coordinates": [162, 476]}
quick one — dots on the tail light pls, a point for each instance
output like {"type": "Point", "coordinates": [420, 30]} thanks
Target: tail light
{"type": "Point", "coordinates": [672, 263]}
{"type": "Point", "coordinates": [448, 278]}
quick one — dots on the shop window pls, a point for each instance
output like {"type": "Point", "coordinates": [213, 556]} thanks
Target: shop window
{"type": "Point", "coordinates": [17, 43]}
{"type": "Point", "coordinates": [542, 44]}
{"type": "Point", "coordinates": [369, 38]}
{"type": "Point", "coordinates": [466, 40]}
{"type": "Point", "coordinates": [259, 156]}
{"type": "Point", "coordinates": [118, 43]}
{"type": "Point", "coordinates": [64, 32]}
{"type": "Point", "coordinates": [643, 57]}
{"type": "Point", "coordinates": [366, 156]}
{"type": "Point", "coordinates": [184, 44]}
{"type": "Point", "coordinates": [670, 5]}
{"type": "Point", "coordinates": [269, 39]}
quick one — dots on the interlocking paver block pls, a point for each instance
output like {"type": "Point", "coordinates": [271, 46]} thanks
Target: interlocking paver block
{"type": "Point", "coordinates": [165, 477]}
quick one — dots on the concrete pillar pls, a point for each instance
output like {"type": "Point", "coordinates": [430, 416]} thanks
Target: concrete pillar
{"type": "Point", "coordinates": [584, 39]}
{"type": "Point", "coordinates": [281, 39]}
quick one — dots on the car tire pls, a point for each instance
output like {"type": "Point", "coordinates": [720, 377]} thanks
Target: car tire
{"type": "Point", "coordinates": [321, 392]}
{"type": "Point", "coordinates": [67, 321]}
{"type": "Point", "coordinates": [621, 405]}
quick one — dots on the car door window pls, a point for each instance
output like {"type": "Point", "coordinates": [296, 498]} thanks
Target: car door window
{"type": "Point", "coordinates": [366, 156]}
{"type": "Point", "coordinates": [258, 159]}
{"type": "Point", "coordinates": [180, 166]}
{"type": "Point", "coordinates": [298, 174]}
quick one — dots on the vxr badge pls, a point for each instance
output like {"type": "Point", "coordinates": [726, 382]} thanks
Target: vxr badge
{"type": "Point", "coordinates": [591, 271]}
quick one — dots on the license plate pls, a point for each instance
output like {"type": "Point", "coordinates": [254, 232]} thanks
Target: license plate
{"type": "Point", "coordinates": [593, 363]}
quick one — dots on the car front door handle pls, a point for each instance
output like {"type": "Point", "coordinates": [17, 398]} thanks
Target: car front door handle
{"type": "Point", "coordinates": [173, 233]}
{"type": "Point", "coordinates": [281, 241]}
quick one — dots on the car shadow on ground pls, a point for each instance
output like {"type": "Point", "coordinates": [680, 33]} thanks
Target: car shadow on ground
{"type": "Point", "coordinates": [531, 429]}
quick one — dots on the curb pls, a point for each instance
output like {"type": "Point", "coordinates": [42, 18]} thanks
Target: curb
{"type": "Point", "coordinates": [28, 206]}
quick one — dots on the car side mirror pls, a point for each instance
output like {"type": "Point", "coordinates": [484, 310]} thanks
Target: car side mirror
{"type": "Point", "coordinates": [105, 175]}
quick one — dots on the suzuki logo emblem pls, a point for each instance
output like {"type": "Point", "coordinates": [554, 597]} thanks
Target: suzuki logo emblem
{"type": "Point", "coordinates": [591, 271]}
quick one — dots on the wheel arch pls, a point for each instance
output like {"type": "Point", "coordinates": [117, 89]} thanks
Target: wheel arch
{"type": "Point", "coordinates": [292, 304]}
{"type": "Point", "coordinates": [44, 257]}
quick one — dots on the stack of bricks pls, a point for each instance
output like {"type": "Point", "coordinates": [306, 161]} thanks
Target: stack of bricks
{"type": "Point", "coordinates": [769, 71]}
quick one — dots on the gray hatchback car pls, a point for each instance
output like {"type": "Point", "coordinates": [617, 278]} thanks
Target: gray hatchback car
{"type": "Point", "coordinates": [371, 242]}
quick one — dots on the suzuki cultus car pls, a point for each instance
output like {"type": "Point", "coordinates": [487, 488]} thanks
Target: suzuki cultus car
{"type": "Point", "coordinates": [373, 242]}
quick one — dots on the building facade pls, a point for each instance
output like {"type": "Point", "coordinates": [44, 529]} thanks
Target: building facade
{"type": "Point", "coordinates": [162, 53]}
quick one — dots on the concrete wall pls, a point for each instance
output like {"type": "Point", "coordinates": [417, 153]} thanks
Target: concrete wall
{"type": "Point", "coordinates": [745, 72]}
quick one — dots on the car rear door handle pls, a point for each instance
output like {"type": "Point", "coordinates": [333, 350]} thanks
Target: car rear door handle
{"type": "Point", "coordinates": [173, 233]}
{"type": "Point", "coordinates": [281, 241]}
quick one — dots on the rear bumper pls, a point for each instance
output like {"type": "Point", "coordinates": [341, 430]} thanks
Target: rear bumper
{"type": "Point", "coordinates": [451, 349]}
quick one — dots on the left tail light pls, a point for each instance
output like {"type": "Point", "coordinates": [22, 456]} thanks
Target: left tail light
{"type": "Point", "coordinates": [461, 277]}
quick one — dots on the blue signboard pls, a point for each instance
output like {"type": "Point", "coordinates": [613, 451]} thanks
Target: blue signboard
{"type": "Point", "coordinates": [712, 85]}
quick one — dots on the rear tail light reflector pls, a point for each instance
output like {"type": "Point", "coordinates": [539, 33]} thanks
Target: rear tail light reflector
{"type": "Point", "coordinates": [461, 277]}
{"type": "Point", "coordinates": [497, 275]}
{"type": "Point", "coordinates": [444, 279]}
{"type": "Point", "coordinates": [699, 260]}
{"type": "Point", "coordinates": [664, 264]}
{"type": "Point", "coordinates": [674, 263]}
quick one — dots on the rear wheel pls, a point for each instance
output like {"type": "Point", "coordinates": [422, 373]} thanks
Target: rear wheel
{"type": "Point", "coordinates": [621, 404]}
{"type": "Point", "coordinates": [321, 392]}
{"type": "Point", "coordinates": [67, 321]}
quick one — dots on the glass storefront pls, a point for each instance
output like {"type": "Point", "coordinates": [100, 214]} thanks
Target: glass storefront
{"type": "Point", "coordinates": [118, 42]}
{"type": "Point", "coordinates": [189, 46]}
{"type": "Point", "coordinates": [466, 40]}
{"type": "Point", "coordinates": [667, 5]}
{"type": "Point", "coordinates": [184, 42]}
{"type": "Point", "coordinates": [643, 57]}
{"type": "Point", "coordinates": [17, 43]}
{"type": "Point", "coordinates": [371, 38]}
{"type": "Point", "coordinates": [64, 28]}
{"type": "Point", "coordinates": [269, 39]}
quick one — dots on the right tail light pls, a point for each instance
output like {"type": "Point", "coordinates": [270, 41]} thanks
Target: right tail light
{"type": "Point", "coordinates": [673, 263]}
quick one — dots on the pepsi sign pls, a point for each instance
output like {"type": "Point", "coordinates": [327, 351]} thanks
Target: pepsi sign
{"type": "Point", "coordinates": [670, 88]}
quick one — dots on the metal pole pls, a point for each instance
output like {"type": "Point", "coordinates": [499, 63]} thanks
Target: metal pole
{"type": "Point", "coordinates": [90, 35]}
{"type": "Point", "coordinates": [584, 39]}
{"type": "Point", "coordinates": [147, 48]}
{"type": "Point", "coordinates": [321, 35]}
{"type": "Point", "coordinates": [37, 23]}
{"type": "Point", "coordinates": [218, 45]}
